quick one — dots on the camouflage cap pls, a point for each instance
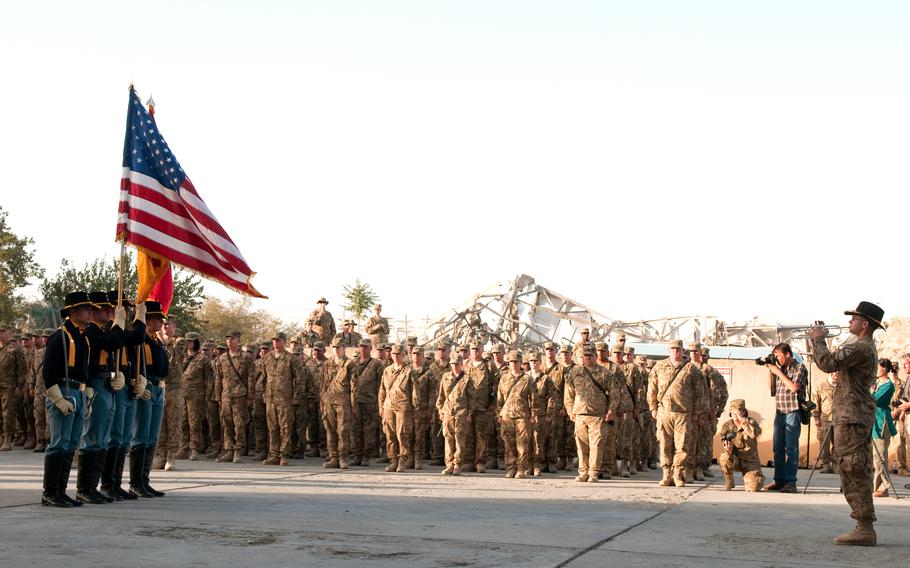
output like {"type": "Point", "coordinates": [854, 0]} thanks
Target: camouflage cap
{"type": "Point", "coordinates": [280, 335]}
{"type": "Point", "coordinates": [694, 346]}
{"type": "Point", "coordinates": [737, 404]}
{"type": "Point", "coordinates": [676, 343]}
{"type": "Point", "coordinates": [629, 351]}
{"type": "Point", "coordinates": [589, 350]}
{"type": "Point", "coordinates": [396, 349]}
{"type": "Point", "coordinates": [456, 360]}
{"type": "Point", "coordinates": [463, 347]}
{"type": "Point", "coordinates": [336, 342]}
{"type": "Point", "coordinates": [47, 332]}
{"type": "Point", "coordinates": [550, 345]}
{"type": "Point", "coordinates": [442, 345]}
{"type": "Point", "coordinates": [412, 340]}
{"type": "Point", "coordinates": [233, 333]}
{"type": "Point", "coordinates": [475, 344]}
{"type": "Point", "coordinates": [533, 356]}
{"type": "Point", "coordinates": [617, 348]}
{"type": "Point", "coordinates": [601, 346]}
{"type": "Point", "coordinates": [705, 351]}
{"type": "Point", "coordinates": [319, 346]}
{"type": "Point", "coordinates": [365, 342]}
{"type": "Point", "coordinates": [640, 359]}
{"type": "Point", "coordinates": [586, 330]}
{"type": "Point", "coordinates": [191, 336]}
{"type": "Point", "coordinates": [513, 357]}
{"type": "Point", "coordinates": [565, 349]}
{"type": "Point", "coordinates": [416, 349]}
{"type": "Point", "coordinates": [498, 348]}
{"type": "Point", "coordinates": [621, 336]}
{"type": "Point", "coordinates": [221, 346]}
{"type": "Point", "coordinates": [208, 344]}
{"type": "Point", "coordinates": [265, 345]}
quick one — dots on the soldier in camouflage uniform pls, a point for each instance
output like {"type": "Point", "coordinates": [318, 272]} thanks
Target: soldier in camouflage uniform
{"type": "Point", "coordinates": [13, 372]}
{"type": "Point", "coordinates": [213, 403]}
{"type": "Point", "coordinates": [439, 367]}
{"type": "Point", "coordinates": [28, 397]}
{"type": "Point", "coordinates": [281, 373]}
{"type": "Point", "coordinates": [170, 436]}
{"type": "Point", "coordinates": [347, 336]}
{"type": "Point", "coordinates": [260, 415]}
{"type": "Point", "coordinates": [823, 397]}
{"type": "Point", "coordinates": [424, 404]}
{"type": "Point", "coordinates": [718, 399]}
{"type": "Point", "coordinates": [627, 410]}
{"type": "Point", "coordinates": [611, 430]}
{"type": "Point", "coordinates": [483, 407]}
{"type": "Point", "coordinates": [196, 371]}
{"type": "Point", "coordinates": [648, 448]}
{"type": "Point", "coordinates": [323, 322]}
{"type": "Point", "coordinates": [516, 405]}
{"type": "Point", "coordinates": [704, 412]}
{"type": "Point", "coordinates": [396, 399]}
{"type": "Point", "coordinates": [579, 348]}
{"type": "Point", "coordinates": [338, 391]}
{"type": "Point", "coordinates": [854, 413]}
{"type": "Point", "coordinates": [741, 449]}
{"type": "Point", "coordinates": [564, 432]}
{"type": "Point", "coordinates": [590, 399]}
{"type": "Point", "coordinates": [377, 327]}
{"type": "Point", "coordinates": [234, 375]}
{"type": "Point", "coordinates": [672, 386]}
{"type": "Point", "coordinates": [545, 411]}
{"type": "Point", "coordinates": [366, 374]}
{"type": "Point", "coordinates": [316, 432]}
{"type": "Point", "coordinates": [42, 429]}
{"type": "Point", "coordinates": [497, 362]}
{"type": "Point", "coordinates": [454, 403]}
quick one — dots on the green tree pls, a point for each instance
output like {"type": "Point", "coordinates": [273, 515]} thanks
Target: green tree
{"type": "Point", "coordinates": [17, 266]}
{"type": "Point", "coordinates": [103, 274]}
{"type": "Point", "coordinates": [360, 298]}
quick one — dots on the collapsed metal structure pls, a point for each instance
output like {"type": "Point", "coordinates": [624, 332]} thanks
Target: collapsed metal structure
{"type": "Point", "coordinates": [523, 314]}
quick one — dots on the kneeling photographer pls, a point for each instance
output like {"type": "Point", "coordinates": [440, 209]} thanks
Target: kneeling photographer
{"type": "Point", "coordinates": [739, 436]}
{"type": "Point", "coordinates": [788, 380]}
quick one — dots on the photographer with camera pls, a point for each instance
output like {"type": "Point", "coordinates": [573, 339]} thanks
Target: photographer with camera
{"type": "Point", "coordinates": [739, 437]}
{"type": "Point", "coordinates": [788, 381]}
{"type": "Point", "coordinates": [856, 362]}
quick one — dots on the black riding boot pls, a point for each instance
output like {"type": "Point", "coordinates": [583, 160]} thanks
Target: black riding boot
{"type": "Point", "coordinates": [118, 475]}
{"type": "Point", "coordinates": [147, 468]}
{"type": "Point", "coordinates": [137, 457]}
{"type": "Point", "coordinates": [100, 460]}
{"type": "Point", "coordinates": [108, 467]}
{"type": "Point", "coordinates": [50, 497]}
{"type": "Point", "coordinates": [65, 466]}
{"type": "Point", "coordinates": [84, 477]}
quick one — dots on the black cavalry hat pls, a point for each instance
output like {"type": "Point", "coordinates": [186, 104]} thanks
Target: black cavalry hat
{"type": "Point", "coordinates": [112, 298]}
{"type": "Point", "coordinates": [74, 300]}
{"type": "Point", "coordinates": [869, 311]}
{"type": "Point", "coordinates": [153, 308]}
{"type": "Point", "coordinates": [100, 300]}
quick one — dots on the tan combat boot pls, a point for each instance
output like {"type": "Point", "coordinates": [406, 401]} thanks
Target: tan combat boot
{"type": "Point", "coordinates": [393, 465]}
{"type": "Point", "coordinates": [237, 456]}
{"type": "Point", "coordinates": [456, 470]}
{"type": "Point", "coordinates": [582, 477]}
{"type": "Point", "coordinates": [271, 460]}
{"type": "Point", "coordinates": [624, 470]}
{"type": "Point", "coordinates": [728, 482]}
{"type": "Point", "coordinates": [699, 476]}
{"type": "Point", "coordinates": [510, 473]}
{"type": "Point", "coordinates": [679, 480]}
{"type": "Point", "coordinates": [7, 444]}
{"type": "Point", "coordinates": [225, 457]}
{"type": "Point", "coordinates": [862, 535]}
{"type": "Point", "coordinates": [342, 463]}
{"type": "Point", "coordinates": [561, 463]}
{"type": "Point", "coordinates": [332, 463]}
{"type": "Point", "coordinates": [448, 470]}
{"type": "Point", "coordinates": [521, 474]}
{"type": "Point", "coordinates": [194, 455]}
{"type": "Point", "coordinates": [170, 462]}
{"type": "Point", "coordinates": [182, 455]}
{"type": "Point", "coordinates": [402, 465]}
{"type": "Point", "coordinates": [480, 468]}
{"type": "Point", "coordinates": [30, 443]}
{"type": "Point", "coordinates": [158, 462]}
{"type": "Point", "coordinates": [418, 463]}
{"type": "Point", "coordinates": [410, 462]}
{"type": "Point", "coordinates": [667, 479]}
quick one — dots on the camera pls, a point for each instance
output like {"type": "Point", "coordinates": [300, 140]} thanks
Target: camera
{"type": "Point", "coordinates": [768, 359]}
{"type": "Point", "coordinates": [729, 435]}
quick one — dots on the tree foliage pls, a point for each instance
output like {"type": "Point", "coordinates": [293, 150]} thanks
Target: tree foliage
{"type": "Point", "coordinates": [360, 298]}
{"type": "Point", "coordinates": [219, 318]}
{"type": "Point", "coordinates": [103, 274]}
{"type": "Point", "coordinates": [17, 266]}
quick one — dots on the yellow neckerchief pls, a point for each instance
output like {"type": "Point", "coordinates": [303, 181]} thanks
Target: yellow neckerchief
{"type": "Point", "coordinates": [71, 352]}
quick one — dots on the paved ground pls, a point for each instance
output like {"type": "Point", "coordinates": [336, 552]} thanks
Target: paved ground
{"type": "Point", "coordinates": [252, 515]}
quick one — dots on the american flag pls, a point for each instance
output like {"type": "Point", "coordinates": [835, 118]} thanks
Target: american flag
{"type": "Point", "coordinates": [162, 214]}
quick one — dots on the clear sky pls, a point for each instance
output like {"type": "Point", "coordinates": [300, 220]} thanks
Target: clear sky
{"type": "Point", "coordinates": [645, 158]}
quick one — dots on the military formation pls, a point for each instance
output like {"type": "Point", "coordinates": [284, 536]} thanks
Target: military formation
{"type": "Point", "coordinates": [98, 390]}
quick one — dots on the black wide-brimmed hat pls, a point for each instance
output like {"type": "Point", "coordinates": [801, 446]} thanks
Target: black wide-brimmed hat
{"type": "Point", "coordinates": [153, 308]}
{"type": "Point", "coordinates": [112, 298]}
{"type": "Point", "coordinates": [869, 311]}
{"type": "Point", "coordinates": [100, 300]}
{"type": "Point", "coordinates": [74, 300]}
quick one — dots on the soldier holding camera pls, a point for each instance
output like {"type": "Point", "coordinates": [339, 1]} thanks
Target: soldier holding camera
{"type": "Point", "coordinates": [739, 437]}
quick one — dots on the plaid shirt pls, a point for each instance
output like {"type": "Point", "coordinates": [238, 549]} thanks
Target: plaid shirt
{"type": "Point", "coordinates": [786, 400]}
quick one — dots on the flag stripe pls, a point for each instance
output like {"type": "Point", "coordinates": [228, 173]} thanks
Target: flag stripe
{"type": "Point", "coordinates": [211, 229]}
{"type": "Point", "coordinates": [150, 201]}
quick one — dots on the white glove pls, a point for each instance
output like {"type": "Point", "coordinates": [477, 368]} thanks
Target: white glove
{"type": "Point", "coordinates": [61, 403]}
{"type": "Point", "coordinates": [89, 393]}
{"type": "Point", "coordinates": [120, 317]}
{"type": "Point", "coordinates": [118, 381]}
{"type": "Point", "coordinates": [140, 312]}
{"type": "Point", "coordinates": [139, 389]}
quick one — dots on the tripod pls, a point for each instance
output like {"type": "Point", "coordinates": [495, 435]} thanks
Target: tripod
{"type": "Point", "coordinates": [825, 444]}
